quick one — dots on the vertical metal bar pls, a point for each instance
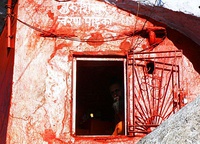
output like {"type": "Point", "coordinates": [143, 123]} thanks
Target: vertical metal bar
{"type": "Point", "coordinates": [173, 95]}
{"type": "Point", "coordinates": [133, 88]}
{"type": "Point", "coordinates": [125, 94]}
{"type": "Point", "coordinates": [130, 98]}
{"type": "Point", "coordinates": [9, 9]}
{"type": "Point", "coordinates": [153, 95]}
{"type": "Point", "coordinates": [159, 94]}
{"type": "Point", "coordinates": [181, 102]}
{"type": "Point", "coordinates": [179, 88]}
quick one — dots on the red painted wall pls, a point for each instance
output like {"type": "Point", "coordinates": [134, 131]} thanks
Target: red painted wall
{"type": "Point", "coordinates": [41, 109]}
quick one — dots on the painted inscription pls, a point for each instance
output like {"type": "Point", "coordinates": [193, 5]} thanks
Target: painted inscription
{"type": "Point", "coordinates": [78, 13]}
{"type": "Point", "coordinates": [90, 21]}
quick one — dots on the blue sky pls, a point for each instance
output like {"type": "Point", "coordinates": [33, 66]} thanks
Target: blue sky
{"type": "Point", "coordinates": [2, 13]}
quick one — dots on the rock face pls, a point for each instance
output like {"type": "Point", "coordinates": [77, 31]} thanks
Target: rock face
{"type": "Point", "coordinates": [50, 35]}
{"type": "Point", "coordinates": [181, 128]}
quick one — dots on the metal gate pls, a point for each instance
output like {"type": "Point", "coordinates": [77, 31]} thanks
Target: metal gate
{"type": "Point", "coordinates": [155, 91]}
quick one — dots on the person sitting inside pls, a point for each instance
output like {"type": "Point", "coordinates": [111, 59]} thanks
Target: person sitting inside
{"type": "Point", "coordinates": [118, 106]}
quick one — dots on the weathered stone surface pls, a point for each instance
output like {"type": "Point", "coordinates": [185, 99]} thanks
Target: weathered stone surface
{"type": "Point", "coordinates": [42, 104]}
{"type": "Point", "coordinates": [181, 128]}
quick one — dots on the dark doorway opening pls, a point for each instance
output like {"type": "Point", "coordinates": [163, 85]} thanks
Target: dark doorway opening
{"type": "Point", "coordinates": [94, 111]}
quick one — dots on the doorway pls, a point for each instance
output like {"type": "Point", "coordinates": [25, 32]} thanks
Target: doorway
{"type": "Point", "coordinates": [94, 114]}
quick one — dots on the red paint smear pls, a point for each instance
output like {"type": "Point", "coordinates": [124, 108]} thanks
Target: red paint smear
{"type": "Point", "coordinates": [60, 46]}
{"type": "Point", "coordinates": [49, 135]}
{"type": "Point", "coordinates": [67, 32]}
{"type": "Point", "coordinates": [152, 37]}
{"type": "Point", "coordinates": [96, 39]}
{"type": "Point", "coordinates": [50, 15]}
{"type": "Point", "coordinates": [59, 7]}
{"type": "Point", "coordinates": [125, 45]}
{"type": "Point", "coordinates": [153, 40]}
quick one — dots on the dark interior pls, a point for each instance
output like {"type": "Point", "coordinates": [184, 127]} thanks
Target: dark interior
{"type": "Point", "coordinates": [93, 96]}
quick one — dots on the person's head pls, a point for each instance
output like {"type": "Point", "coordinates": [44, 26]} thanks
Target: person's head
{"type": "Point", "coordinates": [116, 91]}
